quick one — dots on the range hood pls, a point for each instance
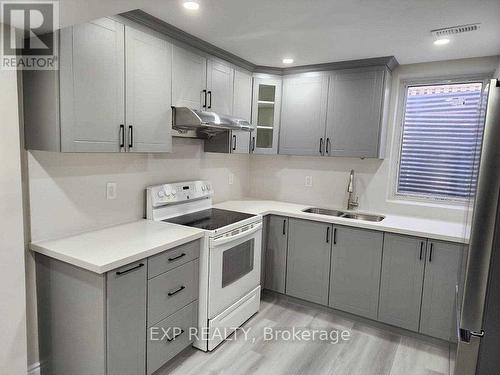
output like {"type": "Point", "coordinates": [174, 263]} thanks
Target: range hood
{"type": "Point", "coordinates": [206, 124]}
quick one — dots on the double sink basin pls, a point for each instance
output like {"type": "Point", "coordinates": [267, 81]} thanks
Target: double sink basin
{"type": "Point", "coordinates": [343, 214]}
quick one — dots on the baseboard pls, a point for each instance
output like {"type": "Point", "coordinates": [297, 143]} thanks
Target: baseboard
{"type": "Point", "coordinates": [36, 368]}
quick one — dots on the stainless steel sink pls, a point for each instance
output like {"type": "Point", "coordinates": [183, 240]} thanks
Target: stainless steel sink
{"type": "Point", "coordinates": [364, 217]}
{"type": "Point", "coordinates": [345, 215]}
{"type": "Point", "coordinates": [324, 211]}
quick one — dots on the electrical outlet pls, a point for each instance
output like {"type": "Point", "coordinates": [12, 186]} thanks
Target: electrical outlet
{"type": "Point", "coordinates": [111, 190]}
{"type": "Point", "coordinates": [231, 179]}
{"type": "Point", "coordinates": [309, 181]}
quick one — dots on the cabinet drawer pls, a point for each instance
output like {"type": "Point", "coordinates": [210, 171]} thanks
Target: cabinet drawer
{"type": "Point", "coordinates": [172, 290]}
{"type": "Point", "coordinates": [160, 351]}
{"type": "Point", "coordinates": [173, 258]}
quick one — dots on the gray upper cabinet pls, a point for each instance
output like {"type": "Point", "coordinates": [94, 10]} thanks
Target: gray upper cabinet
{"type": "Point", "coordinates": [266, 109]}
{"type": "Point", "coordinates": [303, 114]}
{"type": "Point", "coordinates": [443, 263]}
{"type": "Point", "coordinates": [81, 107]}
{"type": "Point", "coordinates": [401, 282]}
{"type": "Point", "coordinates": [126, 320]}
{"type": "Point", "coordinates": [356, 101]}
{"type": "Point", "coordinates": [189, 79]}
{"type": "Point", "coordinates": [220, 81]}
{"type": "Point", "coordinates": [242, 108]}
{"type": "Point", "coordinates": [275, 253]}
{"type": "Point", "coordinates": [308, 270]}
{"type": "Point", "coordinates": [111, 94]}
{"type": "Point", "coordinates": [355, 270]}
{"type": "Point", "coordinates": [148, 92]}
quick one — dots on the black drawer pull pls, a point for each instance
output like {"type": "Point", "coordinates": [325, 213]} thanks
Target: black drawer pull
{"type": "Point", "coordinates": [130, 269]}
{"type": "Point", "coordinates": [421, 249]}
{"type": "Point", "coordinates": [173, 338]}
{"type": "Point", "coordinates": [170, 294]}
{"type": "Point", "coordinates": [327, 234]}
{"type": "Point", "coordinates": [334, 236]}
{"type": "Point", "coordinates": [284, 227]}
{"type": "Point", "coordinates": [430, 253]}
{"type": "Point", "coordinates": [177, 257]}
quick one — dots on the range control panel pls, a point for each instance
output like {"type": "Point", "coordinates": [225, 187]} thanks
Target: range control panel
{"type": "Point", "coordinates": [161, 195]}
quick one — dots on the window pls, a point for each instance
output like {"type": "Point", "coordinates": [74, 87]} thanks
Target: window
{"type": "Point", "coordinates": [440, 142]}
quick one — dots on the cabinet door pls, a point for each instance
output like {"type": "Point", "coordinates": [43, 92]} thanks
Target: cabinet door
{"type": "Point", "coordinates": [92, 86]}
{"type": "Point", "coordinates": [401, 281]}
{"type": "Point", "coordinates": [302, 129]}
{"type": "Point", "coordinates": [220, 87]}
{"type": "Point", "coordinates": [309, 245]}
{"type": "Point", "coordinates": [266, 110]}
{"type": "Point", "coordinates": [438, 316]}
{"type": "Point", "coordinates": [189, 79]}
{"type": "Point", "coordinates": [276, 247]}
{"type": "Point", "coordinates": [242, 108]}
{"type": "Point", "coordinates": [354, 113]}
{"type": "Point", "coordinates": [126, 316]}
{"type": "Point", "coordinates": [355, 271]}
{"type": "Point", "coordinates": [148, 104]}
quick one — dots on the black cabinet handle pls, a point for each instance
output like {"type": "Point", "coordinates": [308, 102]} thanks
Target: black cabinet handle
{"type": "Point", "coordinates": [421, 249]}
{"type": "Point", "coordinates": [321, 146]}
{"type": "Point", "coordinates": [130, 269]}
{"type": "Point", "coordinates": [174, 292]}
{"type": "Point", "coordinates": [327, 234]}
{"type": "Point", "coordinates": [122, 135]}
{"type": "Point", "coordinates": [205, 102]}
{"type": "Point", "coordinates": [430, 252]}
{"type": "Point", "coordinates": [173, 338]}
{"type": "Point", "coordinates": [210, 98]}
{"type": "Point", "coordinates": [284, 227]}
{"type": "Point", "coordinates": [234, 142]}
{"type": "Point", "coordinates": [253, 144]}
{"type": "Point", "coordinates": [177, 257]}
{"type": "Point", "coordinates": [334, 236]}
{"type": "Point", "coordinates": [130, 136]}
{"type": "Point", "coordinates": [327, 149]}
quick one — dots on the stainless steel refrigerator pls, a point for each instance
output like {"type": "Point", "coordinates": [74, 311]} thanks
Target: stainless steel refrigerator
{"type": "Point", "coordinates": [479, 319]}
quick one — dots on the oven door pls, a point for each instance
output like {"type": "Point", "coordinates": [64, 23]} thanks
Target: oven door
{"type": "Point", "coordinates": [234, 266]}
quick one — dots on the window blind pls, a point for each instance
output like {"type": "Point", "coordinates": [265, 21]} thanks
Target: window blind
{"type": "Point", "coordinates": [442, 134]}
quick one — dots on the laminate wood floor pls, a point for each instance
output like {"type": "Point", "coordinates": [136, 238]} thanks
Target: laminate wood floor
{"type": "Point", "coordinates": [369, 350]}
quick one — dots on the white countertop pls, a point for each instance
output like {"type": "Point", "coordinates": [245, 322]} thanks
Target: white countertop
{"type": "Point", "coordinates": [102, 250]}
{"type": "Point", "coordinates": [419, 227]}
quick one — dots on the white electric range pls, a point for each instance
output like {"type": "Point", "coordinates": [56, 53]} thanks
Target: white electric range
{"type": "Point", "coordinates": [229, 292]}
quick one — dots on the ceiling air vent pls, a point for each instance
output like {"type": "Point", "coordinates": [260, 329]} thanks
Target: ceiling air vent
{"type": "Point", "coordinates": [449, 31]}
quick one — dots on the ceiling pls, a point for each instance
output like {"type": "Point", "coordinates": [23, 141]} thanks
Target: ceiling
{"type": "Point", "coordinates": [318, 31]}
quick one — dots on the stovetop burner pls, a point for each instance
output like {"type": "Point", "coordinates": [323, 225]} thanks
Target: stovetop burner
{"type": "Point", "coordinates": [211, 219]}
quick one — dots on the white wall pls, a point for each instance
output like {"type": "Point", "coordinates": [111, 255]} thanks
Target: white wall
{"type": "Point", "coordinates": [13, 357]}
{"type": "Point", "coordinates": [282, 177]}
{"type": "Point", "coordinates": [68, 191]}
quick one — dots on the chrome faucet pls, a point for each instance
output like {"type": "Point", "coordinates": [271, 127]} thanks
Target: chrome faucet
{"type": "Point", "coordinates": [351, 202]}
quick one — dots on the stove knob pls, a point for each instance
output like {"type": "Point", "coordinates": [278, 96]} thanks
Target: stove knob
{"type": "Point", "coordinates": [161, 193]}
{"type": "Point", "coordinates": [173, 193]}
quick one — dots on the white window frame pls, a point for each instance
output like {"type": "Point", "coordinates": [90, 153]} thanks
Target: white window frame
{"type": "Point", "coordinates": [398, 139]}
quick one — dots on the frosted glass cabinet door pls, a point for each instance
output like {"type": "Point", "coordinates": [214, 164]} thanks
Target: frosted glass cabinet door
{"type": "Point", "coordinates": [148, 99]}
{"type": "Point", "coordinates": [266, 115]}
{"type": "Point", "coordinates": [92, 86]}
{"type": "Point", "coordinates": [189, 79]}
{"type": "Point", "coordinates": [302, 130]}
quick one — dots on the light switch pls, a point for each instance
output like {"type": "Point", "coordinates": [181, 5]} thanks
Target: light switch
{"type": "Point", "coordinates": [309, 181]}
{"type": "Point", "coordinates": [231, 178]}
{"type": "Point", "coordinates": [111, 190]}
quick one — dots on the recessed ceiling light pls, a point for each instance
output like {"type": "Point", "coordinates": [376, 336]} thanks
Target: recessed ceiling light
{"type": "Point", "coordinates": [191, 5]}
{"type": "Point", "coordinates": [441, 42]}
{"type": "Point", "coordinates": [287, 60]}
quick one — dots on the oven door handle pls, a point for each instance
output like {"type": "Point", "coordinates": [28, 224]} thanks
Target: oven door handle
{"type": "Point", "coordinates": [223, 240]}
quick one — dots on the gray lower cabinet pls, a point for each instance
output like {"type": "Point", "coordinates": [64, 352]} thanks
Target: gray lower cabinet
{"type": "Point", "coordinates": [126, 318]}
{"type": "Point", "coordinates": [355, 270]}
{"type": "Point", "coordinates": [438, 314]}
{"type": "Point", "coordinates": [308, 263]}
{"type": "Point", "coordinates": [401, 281]}
{"type": "Point", "coordinates": [276, 248]}
{"type": "Point", "coordinates": [99, 324]}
